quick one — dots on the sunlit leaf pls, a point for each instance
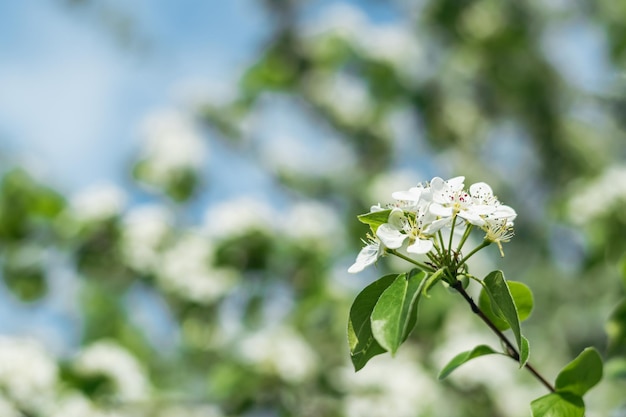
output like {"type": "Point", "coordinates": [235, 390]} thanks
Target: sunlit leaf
{"type": "Point", "coordinates": [581, 374]}
{"type": "Point", "coordinates": [558, 405]}
{"type": "Point", "coordinates": [463, 357]}
{"type": "Point", "coordinates": [395, 313]}
{"type": "Point", "coordinates": [375, 218]}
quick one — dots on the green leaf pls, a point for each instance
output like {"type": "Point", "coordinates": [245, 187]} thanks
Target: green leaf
{"type": "Point", "coordinates": [395, 313]}
{"type": "Point", "coordinates": [374, 218]}
{"type": "Point", "coordinates": [522, 297]}
{"type": "Point", "coordinates": [502, 303]}
{"type": "Point", "coordinates": [461, 358]}
{"type": "Point", "coordinates": [524, 351]}
{"type": "Point", "coordinates": [558, 405]}
{"type": "Point", "coordinates": [578, 376]}
{"type": "Point", "coordinates": [363, 346]}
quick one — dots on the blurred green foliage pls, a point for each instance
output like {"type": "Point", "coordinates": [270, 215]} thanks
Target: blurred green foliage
{"type": "Point", "coordinates": [258, 317]}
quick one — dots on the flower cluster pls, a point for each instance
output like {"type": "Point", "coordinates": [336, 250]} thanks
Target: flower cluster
{"type": "Point", "coordinates": [421, 216]}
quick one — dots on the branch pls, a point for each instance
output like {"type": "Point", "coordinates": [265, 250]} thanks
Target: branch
{"type": "Point", "coordinates": [511, 349]}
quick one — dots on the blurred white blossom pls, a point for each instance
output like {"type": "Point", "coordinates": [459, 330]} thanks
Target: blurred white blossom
{"type": "Point", "coordinates": [77, 405]}
{"type": "Point", "coordinates": [238, 217]}
{"type": "Point", "coordinates": [279, 351]}
{"type": "Point", "coordinates": [171, 144]}
{"type": "Point", "coordinates": [356, 104]}
{"type": "Point", "coordinates": [378, 189]}
{"type": "Point", "coordinates": [186, 270]}
{"type": "Point", "coordinates": [389, 387]}
{"type": "Point", "coordinates": [144, 231]}
{"type": "Point", "coordinates": [394, 43]}
{"type": "Point", "coordinates": [495, 372]}
{"type": "Point", "coordinates": [98, 203]}
{"type": "Point", "coordinates": [313, 222]}
{"type": "Point", "coordinates": [28, 375]}
{"type": "Point", "coordinates": [600, 197]}
{"type": "Point", "coordinates": [111, 360]}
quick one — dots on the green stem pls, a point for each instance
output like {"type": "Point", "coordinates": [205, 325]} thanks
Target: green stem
{"type": "Point", "coordinates": [468, 230]}
{"type": "Point", "coordinates": [511, 349]}
{"type": "Point", "coordinates": [443, 246]}
{"type": "Point", "coordinates": [451, 234]}
{"type": "Point", "coordinates": [413, 261]}
{"type": "Point", "coordinates": [484, 244]}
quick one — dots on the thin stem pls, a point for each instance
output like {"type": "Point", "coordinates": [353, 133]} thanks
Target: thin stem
{"type": "Point", "coordinates": [451, 234]}
{"type": "Point", "coordinates": [443, 246]}
{"type": "Point", "coordinates": [512, 351]}
{"type": "Point", "coordinates": [413, 261]}
{"type": "Point", "coordinates": [436, 246]}
{"type": "Point", "coordinates": [484, 244]}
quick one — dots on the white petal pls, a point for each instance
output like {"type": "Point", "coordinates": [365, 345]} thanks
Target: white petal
{"type": "Point", "coordinates": [397, 219]}
{"type": "Point", "coordinates": [504, 212]}
{"type": "Point", "coordinates": [420, 246]}
{"type": "Point", "coordinates": [390, 236]}
{"type": "Point", "coordinates": [439, 210]}
{"type": "Point", "coordinates": [456, 183]}
{"type": "Point", "coordinates": [367, 256]}
{"type": "Point", "coordinates": [481, 190]}
{"type": "Point", "coordinates": [437, 184]}
{"type": "Point", "coordinates": [438, 224]}
{"type": "Point", "coordinates": [482, 209]}
{"type": "Point", "coordinates": [472, 217]}
{"type": "Point", "coordinates": [412, 195]}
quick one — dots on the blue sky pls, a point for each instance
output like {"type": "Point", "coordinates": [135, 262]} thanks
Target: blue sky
{"type": "Point", "coordinates": [72, 97]}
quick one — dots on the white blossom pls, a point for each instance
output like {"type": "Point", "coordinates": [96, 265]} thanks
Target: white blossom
{"type": "Point", "coordinates": [378, 189]}
{"type": "Point", "coordinates": [77, 405]}
{"type": "Point", "coordinates": [482, 196]}
{"type": "Point", "coordinates": [98, 203]}
{"type": "Point", "coordinates": [421, 213]}
{"type": "Point", "coordinates": [186, 270]}
{"type": "Point", "coordinates": [450, 199]}
{"type": "Point", "coordinates": [400, 227]}
{"type": "Point", "coordinates": [356, 104]}
{"type": "Point", "coordinates": [28, 375]}
{"type": "Point", "coordinates": [111, 360]}
{"type": "Point", "coordinates": [498, 232]}
{"type": "Point", "coordinates": [389, 387]}
{"type": "Point", "coordinates": [144, 231]}
{"type": "Point", "coordinates": [171, 144]}
{"type": "Point", "coordinates": [599, 197]}
{"type": "Point", "coordinates": [313, 222]}
{"type": "Point", "coordinates": [370, 253]}
{"type": "Point", "coordinates": [238, 217]}
{"type": "Point", "coordinates": [279, 351]}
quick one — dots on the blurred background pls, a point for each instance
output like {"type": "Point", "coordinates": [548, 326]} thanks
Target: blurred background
{"type": "Point", "coordinates": [180, 184]}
